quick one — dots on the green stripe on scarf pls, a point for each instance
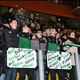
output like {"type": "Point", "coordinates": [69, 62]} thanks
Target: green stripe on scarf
{"type": "Point", "coordinates": [71, 44]}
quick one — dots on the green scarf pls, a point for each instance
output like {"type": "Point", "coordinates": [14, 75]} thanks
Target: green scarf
{"type": "Point", "coordinates": [24, 42]}
{"type": "Point", "coordinates": [53, 47]}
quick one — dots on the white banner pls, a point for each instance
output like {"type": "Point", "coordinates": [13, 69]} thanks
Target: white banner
{"type": "Point", "coordinates": [55, 60]}
{"type": "Point", "coordinates": [21, 58]}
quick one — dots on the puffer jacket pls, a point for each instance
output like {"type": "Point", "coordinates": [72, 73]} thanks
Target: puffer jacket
{"type": "Point", "coordinates": [2, 39]}
{"type": "Point", "coordinates": [11, 38]}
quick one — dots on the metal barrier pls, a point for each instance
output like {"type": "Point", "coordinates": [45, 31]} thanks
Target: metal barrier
{"type": "Point", "coordinates": [40, 72]}
{"type": "Point", "coordinates": [77, 66]}
{"type": "Point", "coordinates": [41, 65]}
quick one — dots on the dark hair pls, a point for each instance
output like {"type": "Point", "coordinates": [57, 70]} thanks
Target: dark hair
{"type": "Point", "coordinates": [8, 17]}
{"type": "Point", "coordinates": [71, 32]}
{"type": "Point", "coordinates": [53, 27]}
{"type": "Point", "coordinates": [38, 30]}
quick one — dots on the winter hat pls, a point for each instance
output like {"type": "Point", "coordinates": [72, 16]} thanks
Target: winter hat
{"type": "Point", "coordinates": [8, 17]}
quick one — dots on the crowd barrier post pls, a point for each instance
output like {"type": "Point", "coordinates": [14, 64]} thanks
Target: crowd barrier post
{"type": "Point", "coordinates": [76, 56]}
{"type": "Point", "coordinates": [41, 65]}
{"type": "Point", "coordinates": [77, 66]}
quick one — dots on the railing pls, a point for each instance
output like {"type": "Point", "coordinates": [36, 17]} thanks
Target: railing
{"type": "Point", "coordinates": [40, 72]}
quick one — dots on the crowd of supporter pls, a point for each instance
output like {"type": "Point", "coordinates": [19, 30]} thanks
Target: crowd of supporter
{"type": "Point", "coordinates": [11, 30]}
{"type": "Point", "coordinates": [50, 29]}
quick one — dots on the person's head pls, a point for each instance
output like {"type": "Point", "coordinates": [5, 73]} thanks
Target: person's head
{"type": "Point", "coordinates": [44, 33]}
{"type": "Point", "coordinates": [8, 19]}
{"type": "Point", "coordinates": [13, 24]}
{"type": "Point", "coordinates": [53, 32]}
{"type": "Point", "coordinates": [34, 37]}
{"type": "Point", "coordinates": [39, 33]}
{"type": "Point", "coordinates": [65, 31]}
{"type": "Point", "coordinates": [65, 36]}
{"type": "Point", "coordinates": [72, 34]}
{"type": "Point", "coordinates": [58, 35]}
{"type": "Point", "coordinates": [26, 29]}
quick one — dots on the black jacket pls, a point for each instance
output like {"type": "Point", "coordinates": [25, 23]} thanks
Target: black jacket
{"type": "Point", "coordinates": [8, 38]}
{"type": "Point", "coordinates": [11, 38]}
{"type": "Point", "coordinates": [73, 40]}
{"type": "Point", "coordinates": [2, 40]}
{"type": "Point", "coordinates": [51, 39]}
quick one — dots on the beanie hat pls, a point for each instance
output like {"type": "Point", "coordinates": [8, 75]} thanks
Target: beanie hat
{"type": "Point", "coordinates": [8, 17]}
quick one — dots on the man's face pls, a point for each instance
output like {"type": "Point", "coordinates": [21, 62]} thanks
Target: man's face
{"type": "Point", "coordinates": [39, 34]}
{"type": "Point", "coordinates": [53, 32]}
{"type": "Point", "coordinates": [13, 24]}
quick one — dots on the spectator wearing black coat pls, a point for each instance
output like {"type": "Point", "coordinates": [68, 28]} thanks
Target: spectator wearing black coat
{"type": "Point", "coordinates": [10, 39]}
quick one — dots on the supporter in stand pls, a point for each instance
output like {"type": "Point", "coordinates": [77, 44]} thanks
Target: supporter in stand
{"type": "Point", "coordinates": [24, 42]}
{"type": "Point", "coordinates": [72, 50]}
{"type": "Point", "coordinates": [39, 34]}
{"type": "Point", "coordinates": [11, 36]}
{"type": "Point", "coordinates": [52, 39]}
{"type": "Point", "coordinates": [52, 35]}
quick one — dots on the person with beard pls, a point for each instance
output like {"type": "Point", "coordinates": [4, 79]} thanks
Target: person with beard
{"type": "Point", "coordinates": [72, 50]}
